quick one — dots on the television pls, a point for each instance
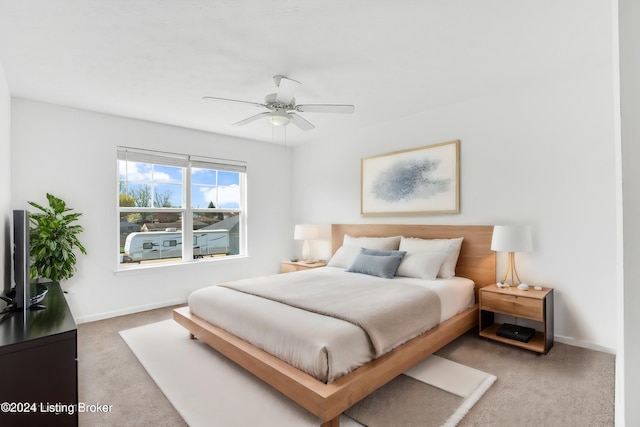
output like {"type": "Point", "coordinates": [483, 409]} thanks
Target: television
{"type": "Point", "coordinates": [21, 263]}
{"type": "Point", "coordinates": [19, 296]}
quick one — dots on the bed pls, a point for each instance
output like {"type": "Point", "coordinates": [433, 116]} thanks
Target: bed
{"type": "Point", "coordinates": [327, 391]}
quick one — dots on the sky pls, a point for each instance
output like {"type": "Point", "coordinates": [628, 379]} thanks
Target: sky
{"type": "Point", "coordinates": [220, 187]}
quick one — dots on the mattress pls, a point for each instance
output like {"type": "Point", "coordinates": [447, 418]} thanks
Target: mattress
{"type": "Point", "coordinates": [323, 346]}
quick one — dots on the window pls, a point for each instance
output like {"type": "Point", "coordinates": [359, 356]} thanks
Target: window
{"type": "Point", "coordinates": [166, 199]}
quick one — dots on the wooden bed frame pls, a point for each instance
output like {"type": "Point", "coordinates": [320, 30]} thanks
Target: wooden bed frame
{"type": "Point", "coordinates": [328, 401]}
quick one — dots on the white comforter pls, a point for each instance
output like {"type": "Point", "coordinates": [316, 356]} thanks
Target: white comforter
{"type": "Point", "coordinates": [323, 346]}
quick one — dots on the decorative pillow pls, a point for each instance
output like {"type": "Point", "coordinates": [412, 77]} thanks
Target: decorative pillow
{"type": "Point", "coordinates": [382, 243]}
{"type": "Point", "coordinates": [450, 246]}
{"type": "Point", "coordinates": [346, 254]}
{"type": "Point", "coordinates": [421, 265]}
{"type": "Point", "coordinates": [379, 252]}
{"type": "Point", "coordinates": [377, 265]}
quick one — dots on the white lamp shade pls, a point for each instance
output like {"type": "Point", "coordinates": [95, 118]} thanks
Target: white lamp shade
{"type": "Point", "coordinates": [310, 232]}
{"type": "Point", "coordinates": [511, 238]}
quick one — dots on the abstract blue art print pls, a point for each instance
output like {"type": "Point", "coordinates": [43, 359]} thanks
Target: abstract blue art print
{"type": "Point", "coordinates": [422, 180]}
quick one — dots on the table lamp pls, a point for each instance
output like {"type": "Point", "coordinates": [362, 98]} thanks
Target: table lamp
{"type": "Point", "coordinates": [308, 232]}
{"type": "Point", "coordinates": [511, 239]}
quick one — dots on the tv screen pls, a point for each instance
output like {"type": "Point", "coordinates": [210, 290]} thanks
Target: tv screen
{"type": "Point", "coordinates": [21, 259]}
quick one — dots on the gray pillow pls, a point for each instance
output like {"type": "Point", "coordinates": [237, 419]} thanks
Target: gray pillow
{"type": "Point", "coordinates": [377, 263]}
{"type": "Point", "coordinates": [380, 252]}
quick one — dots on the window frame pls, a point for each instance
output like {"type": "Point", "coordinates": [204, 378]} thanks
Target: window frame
{"type": "Point", "coordinates": [187, 163]}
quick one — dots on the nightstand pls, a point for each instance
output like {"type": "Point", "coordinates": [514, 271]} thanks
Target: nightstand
{"type": "Point", "coordinates": [291, 266]}
{"type": "Point", "coordinates": [533, 305]}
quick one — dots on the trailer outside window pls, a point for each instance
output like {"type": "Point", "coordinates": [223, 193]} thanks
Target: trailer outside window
{"type": "Point", "coordinates": [166, 199]}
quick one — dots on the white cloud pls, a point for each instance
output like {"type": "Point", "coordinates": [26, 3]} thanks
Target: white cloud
{"type": "Point", "coordinates": [141, 172]}
{"type": "Point", "coordinates": [227, 194]}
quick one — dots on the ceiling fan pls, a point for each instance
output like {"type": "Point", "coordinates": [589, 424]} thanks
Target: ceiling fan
{"type": "Point", "coordinates": [282, 106]}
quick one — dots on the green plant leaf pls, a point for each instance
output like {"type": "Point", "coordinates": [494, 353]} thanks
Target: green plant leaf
{"type": "Point", "coordinates": [54, 239]}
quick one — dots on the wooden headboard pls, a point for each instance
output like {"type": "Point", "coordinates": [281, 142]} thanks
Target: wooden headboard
{"type": "Point", "coordinates": [476, 261]}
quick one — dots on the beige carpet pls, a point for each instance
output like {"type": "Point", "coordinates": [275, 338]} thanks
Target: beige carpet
{"type": "Point", "coordinates": [208, 390]}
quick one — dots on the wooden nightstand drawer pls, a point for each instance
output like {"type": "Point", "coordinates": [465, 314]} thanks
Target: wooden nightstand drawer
{"type": "Point", "coordinates": [513, 305]}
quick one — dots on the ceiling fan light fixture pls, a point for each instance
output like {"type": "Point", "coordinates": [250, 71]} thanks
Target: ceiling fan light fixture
{"type": "Point", "coordinates": [282, 107]}
{"type": "Point", "coordinates": [279, 118]}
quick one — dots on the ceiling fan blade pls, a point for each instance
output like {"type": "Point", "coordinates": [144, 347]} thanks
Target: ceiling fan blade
{"type": "Point", "coordinates": [300, 122]}
{"type": "Point", "coordinates": [286, 89]}
{"type": "Point", "coordinates": [325, 108]}
{"type": "Point", "coordinates": [215, 98]}
{"type": "Point", "coordinates": [252, 118]}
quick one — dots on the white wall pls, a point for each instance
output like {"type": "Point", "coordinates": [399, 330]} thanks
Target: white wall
{"type": "Point", "coordinates": [5, 181]}
{"type": "Point", "coordinates": [541, 155]}
{"type": "Point", "coordinates": [628, 384]}
{"type": "Point", "coordinates": [72, 154]}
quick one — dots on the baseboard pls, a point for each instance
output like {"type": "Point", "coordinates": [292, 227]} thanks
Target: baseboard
{"type": "Point", "coordinates": [584, 344]}
{"type": "Point", "coordinates": [128, 310]}
{"type": "Point", "coordinates": [131, 310]}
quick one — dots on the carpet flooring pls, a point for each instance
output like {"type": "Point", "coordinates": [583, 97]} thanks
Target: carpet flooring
{"type": "Point", "coordinates": [570, 386]}
{"type": "Point", "coordinates": [208, 390]}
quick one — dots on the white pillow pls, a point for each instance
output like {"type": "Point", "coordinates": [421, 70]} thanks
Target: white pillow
{"type": "Point", "coordinates": [344, 256]}
{"type": "Point", "coordinates": [347, 253]}
{"type": "Point", "coordinates": [450, 246]}
{"type": "Point", "coordinates": [421, 265]}
{"type": "Point", "coordinates": [381, 243]}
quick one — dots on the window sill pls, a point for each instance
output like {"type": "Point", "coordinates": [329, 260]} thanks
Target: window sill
{"type": "Point", "coordinates": [152, 266]}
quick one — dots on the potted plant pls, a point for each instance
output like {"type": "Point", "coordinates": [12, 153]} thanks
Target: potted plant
{"type": "Point", "coordinates": [54, 237]}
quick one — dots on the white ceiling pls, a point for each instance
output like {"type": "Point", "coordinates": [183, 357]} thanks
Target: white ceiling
{"type": "Point", "coordinates": [155, 59]}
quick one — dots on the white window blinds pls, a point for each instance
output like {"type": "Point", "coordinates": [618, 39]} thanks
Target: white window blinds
{"type": "Point", "coordinates": [179, 160]}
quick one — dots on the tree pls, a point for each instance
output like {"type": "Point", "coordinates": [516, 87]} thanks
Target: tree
{"type": "Point", "coordinates": [219, 216]}
{"type": "Point", "coordinates": [142, 196]}
{"type": "Point", "coordinates": [162, 200]}
{"type": "Point", "coordinates": [134, 217]}
{"type": "Point", "coordinates": [126, 200]}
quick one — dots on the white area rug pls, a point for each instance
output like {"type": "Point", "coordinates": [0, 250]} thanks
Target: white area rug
{"type": "Point", "coordinates": [209, 390]}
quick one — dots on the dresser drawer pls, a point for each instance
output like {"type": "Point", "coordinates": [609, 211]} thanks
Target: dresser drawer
{"type": "Point", "coordinates": [530, 308]}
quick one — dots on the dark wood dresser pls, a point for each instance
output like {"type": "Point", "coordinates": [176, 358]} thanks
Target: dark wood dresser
{"type": "Point", "coordinates": [38, 365]}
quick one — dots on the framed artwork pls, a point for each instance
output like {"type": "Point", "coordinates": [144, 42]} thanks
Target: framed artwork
{"type": "Point", "coordinates": [424, 180]}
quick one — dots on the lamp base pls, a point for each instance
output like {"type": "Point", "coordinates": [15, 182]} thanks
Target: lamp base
{"type": "Point", "coordinates": [511, 271]}
{"type": "Point", "coordinates": [306, 251]}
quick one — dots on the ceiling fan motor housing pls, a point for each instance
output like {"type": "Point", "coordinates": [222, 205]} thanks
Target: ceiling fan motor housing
{"type": "Point", "coordinates": [273, 104]}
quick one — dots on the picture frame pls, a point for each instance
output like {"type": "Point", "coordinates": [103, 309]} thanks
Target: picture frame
{"type": "Point", "coordinates": [423, 180]}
